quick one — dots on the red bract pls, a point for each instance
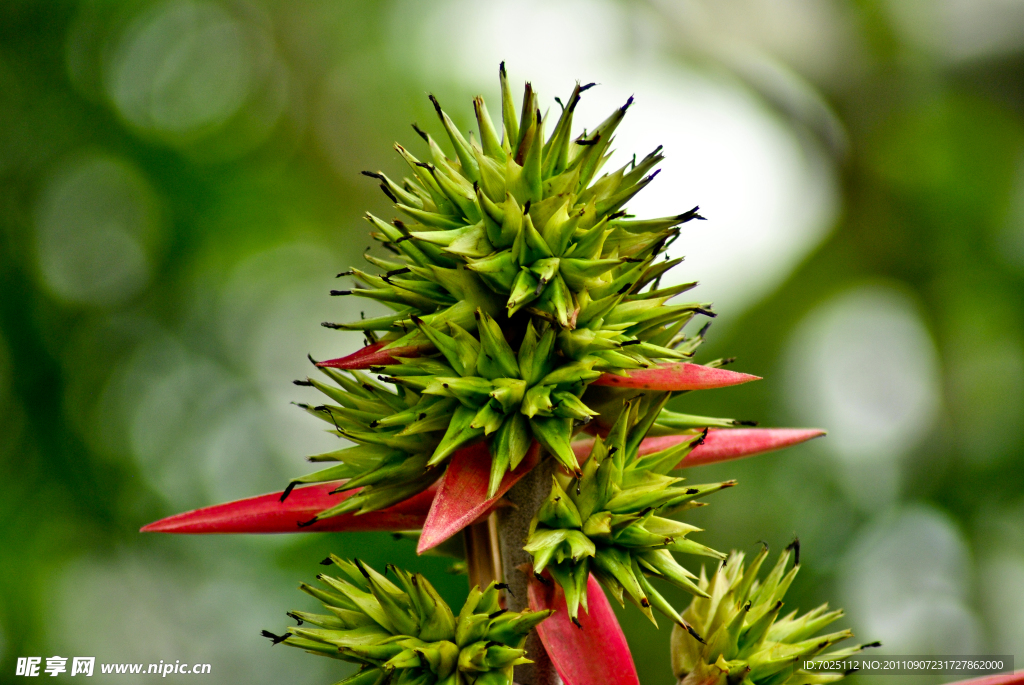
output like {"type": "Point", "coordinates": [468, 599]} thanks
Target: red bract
{"type": "Point", "coordinates": [595, 653]}
{"type": "Point", "coordinates": [676, 376]}
{"type": "Point", "coordinates": [371, 355]}
{"type": "Point", "coordinates": [462, 492]}
{"type": "Point", "coordinates": [268, 514]}
{"type": "Point", "coordinates": [719, 445]}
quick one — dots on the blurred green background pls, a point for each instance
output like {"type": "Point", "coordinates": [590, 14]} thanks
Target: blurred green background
{"type": "Point", "coordinates": [179, 183]}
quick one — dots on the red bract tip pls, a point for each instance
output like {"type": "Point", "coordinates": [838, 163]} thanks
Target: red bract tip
{"type": "Point", "coordinates": [462, 492]}
{"type": "Point", "coordinates": [676, 376]}
{"type": "Point", "coordinates": [593, 653]}
{"type": "Point", "coordinates": [371, 355]}
{"type": "Point", "coordinates": [268, 514]}
{"type": "Point", "coordinates": [723, 444]}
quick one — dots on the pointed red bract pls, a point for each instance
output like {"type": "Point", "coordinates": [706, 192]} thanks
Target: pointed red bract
{"type": "Point", "coordinates": [1016, 678]}
{"type": "Point", "coordinates": [722, 444]}
{"type": "Point", "coordinates": [462, 492]}
{"type": "Point", "coordinates": [595, 653]}
{"type": "Point", "coordinates": [268, 514]}
{"type": "Point", "coordinates": [371, 355]}
{"type": "Point", "coordinates": [676, 376]}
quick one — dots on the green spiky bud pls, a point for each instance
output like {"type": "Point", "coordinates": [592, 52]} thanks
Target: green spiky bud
{"type": "Point", "coordinates": [744, 638]}
{"type": "Point", "coordinates": [612, 520]}
{"type": "Point", "coordinates": [402, 631]}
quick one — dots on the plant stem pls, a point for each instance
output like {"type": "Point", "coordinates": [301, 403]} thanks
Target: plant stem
{"type": "Point", "coordinates": [526, 496]}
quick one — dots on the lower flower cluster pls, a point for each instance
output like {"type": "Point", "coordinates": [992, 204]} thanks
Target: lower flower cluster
{"type": "Point", "coordinates": [402, 632]}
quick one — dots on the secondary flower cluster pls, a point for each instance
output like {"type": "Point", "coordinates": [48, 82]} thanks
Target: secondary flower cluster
{"type": "Point", "coordinates": [746, 641]}
{"type": "Point", "coordinates": [612, 520]}
{"type": "Point", "coordinates": [403, 631]}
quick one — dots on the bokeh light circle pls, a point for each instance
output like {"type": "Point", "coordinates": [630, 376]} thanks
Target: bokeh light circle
{"type": "Point", "coordinates": [96, 229]}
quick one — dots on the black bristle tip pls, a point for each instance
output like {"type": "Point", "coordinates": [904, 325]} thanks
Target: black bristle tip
{"type": "Point", "coordinates": [497, 613]}
{"type": "Point", "coordinates": [850, 671]}
{"type": "Point", "coordinates": [361, 568]}
{"type": "Point", "coordinates": [288, 490]}
{"type": "Point", "coordinates": [327, 561]}
{"type": "Point", "coordinates": [577, 623]}
{"type": "Point", "coordinates": [526, 207]}
{"type": "Point", "coordinates": [743, 422]}
{"type": "Point", "coordinates": [336, 293]}
{"type": "Point", "coordinates": [501, 68]}
{"type": "Point", "coordinates": [305, 384]}
{"type": "Point", "coordinates": [310, 358]}
{"type": "Point", "coordinates": [705, 312]}
{"type": "Point", "coordinates": [704, 329]}
{"type": "Point", "coordinates": [307, 524]}
{"type": "Point", "coordinates": [292, 614]}
{"type": "Point", "coordinates": [396, 272]}
{"type": "Point", "coordinates": [696, 636]}
{"type": "Point", "coordinates": [628, 103]}
{"type": "Point", "coordinates": [876, 643]}
{"type": "Point", "coordinates": [542, 579]}
{"type": "Point", "coordinates": [332, 326]}
{"type": "Point", "coordinates": [420, 132]}
{"type": "Point", "coordinates": [727, 361]}
{"type": "Point", "coordinates": [437, 105]}
{"type": "Point", "coordinates": [690, 216]}
{"type": "Point", "coordinates": [584, 89]}
{"type": "Point", "coordinates": [692, 491]}
{"type": "Point", "coordinates": [344, 273]}
{"type": "Point", "coordinates": [274, 639]}
{"type": "Point", "coordinates": [795, 546]}
{"type": "Point", "coordinates": [387, 191]}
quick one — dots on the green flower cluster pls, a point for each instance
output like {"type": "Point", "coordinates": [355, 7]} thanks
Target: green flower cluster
{"type": "Point", "coordinates": [402, 632]}
{"type": "Point", "coordinates": [613, 521]}
{"type": "Point", "coordinates": [516, 280]}
{"type": "Point", "coordinates": [746, 641]}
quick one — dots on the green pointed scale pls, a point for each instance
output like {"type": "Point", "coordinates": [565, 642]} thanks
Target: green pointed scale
{"type": "Point", "coordinates": [399, 630]}
{"type": "Point", "coordinates": [515, 278]}
{"type": "Point", "coordinates": [614, 521]}
{"type": "Point", "coordinates": [747, 638]}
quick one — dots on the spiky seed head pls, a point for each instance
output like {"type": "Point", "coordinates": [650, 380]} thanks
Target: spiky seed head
{"type": "Point", "coordinates": [400, 630]}
{"type": "Point", "coordinates": [746, 636]}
